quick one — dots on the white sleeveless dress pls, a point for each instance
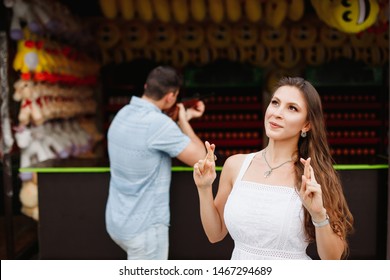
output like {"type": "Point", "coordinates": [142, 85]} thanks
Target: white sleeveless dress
{"type": "Point", "coordinates": [265, 221]}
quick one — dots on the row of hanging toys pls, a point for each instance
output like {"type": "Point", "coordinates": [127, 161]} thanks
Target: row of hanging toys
{"type": "Point", "coordinates": [273, 12]}
{"type": "Point", "coordinates": [57, 105]}
{"type": "Point", "coordinates": [56, 81]}
{"type": "Point", "coordinates": [346, 16]}
{"type": "Point", "coordinates": [46, 17]}
{"type": "Point", "coordinates": [309, 41]}
{"type": "Point", "coordinates": [51, 140]}
{"type": "Point", "coordinates": [45, 60]}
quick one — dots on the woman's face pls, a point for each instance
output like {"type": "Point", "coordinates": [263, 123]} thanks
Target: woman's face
{"type": "Point", "coordinates": [286, 115]}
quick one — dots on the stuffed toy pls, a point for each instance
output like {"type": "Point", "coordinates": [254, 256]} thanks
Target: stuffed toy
{"type": "Point", "coordinates": [253, 10]}
{"type": "Point", "coordinates": [275, 12]}
{"type": "Point", "coordinates": [286, 56]}
{"type": "Point", "coordinates": [33, 13]}
{"type": "Point", "coordinates": [79, 137]}
{"type": "Point", "coordinates": [162, 10]}
{"type": "Point", "coordinates": [89, 126]}
{"type": "Point", "coordinates": [191, 35]}
{"type": "Point", "coordinates": [219, 35]}
{"type": "Point", "coordinates": [245, 34]}
{"type": "Point", "coordinates": [21, 13]}
{"type": "Point", "coordinates": [111, 8]}
{"type": "Point", "coordinates": [331, 37]}
{"type": "Point", "coordinates": [32, 212]}
{"type": "Point", "coordinates": [163, 36]}
{"type": "Point", "coordinates": [61, 136]}
{"type": "Point", "coordinates": [28, 196]}
{"type": "Point", "coordinates": [135, 35]}
{"type": "Point", "coordinates": [26, 58]}
{"type": "Point", "coordinates": [53, 148]}
{"type": "Point", "coordinates": [233, 10]}
{"type": "Point", "coordinates": [274, 37]}
{"type": "Point", "coordinates": [216, 10]}
{"type": "Point", "coordinates": [259, 55]}
{"type": "Point", "coordinates": [180, 11]}
{"type": "Point", "coordinates": [303, 35]}
{"type": "Point", "coordinates": [144, 10]}
{"type": "Point", "coordinates": [31, 148]}
{"type": "Point", "coordinates": [75, 143]}
{"type": "Point", "coordinates": [30, 110]}
{"type": "Point", "coordinates": [44, 100]}
{"type": "Point", "coordinates": [33, 58]}
{"type": "Point", "coordinates": [296, 9]}
{"type": "Point", "coordinates": [198, 10]}
{"type": "Point", "coordinates": [61, 147]}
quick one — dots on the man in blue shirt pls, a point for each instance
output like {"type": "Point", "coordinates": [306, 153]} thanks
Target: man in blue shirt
{"type": "Point", "coordinates": [141, 142]}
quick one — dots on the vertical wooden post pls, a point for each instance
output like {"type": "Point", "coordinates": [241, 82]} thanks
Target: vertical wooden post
{"type": "Point", "coordinates": [6, 146]}
{"type": "Point", "coordinates": [388, 183]}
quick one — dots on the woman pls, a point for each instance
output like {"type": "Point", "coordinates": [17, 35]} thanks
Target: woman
{"type": "Point", "coordinates": [276, 201]}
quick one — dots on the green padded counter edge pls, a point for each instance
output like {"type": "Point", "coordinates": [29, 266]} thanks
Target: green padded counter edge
{"type": "Point", "coordinates": [176, 168]}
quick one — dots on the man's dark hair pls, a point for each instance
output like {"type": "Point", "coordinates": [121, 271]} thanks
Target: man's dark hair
{"type": "Point", "coordinates": [160, 81]}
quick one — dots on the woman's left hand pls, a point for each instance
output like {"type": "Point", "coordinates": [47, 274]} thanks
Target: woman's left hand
{"type": "Point", "coordinates": [311, 193]}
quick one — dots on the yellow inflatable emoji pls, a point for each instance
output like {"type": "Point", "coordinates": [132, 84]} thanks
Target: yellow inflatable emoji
{"type": "Point", "coordinates": [349, 16]}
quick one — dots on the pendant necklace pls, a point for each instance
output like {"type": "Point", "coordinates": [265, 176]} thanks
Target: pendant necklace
{"type": "Point", "coordinates": [268, 173]}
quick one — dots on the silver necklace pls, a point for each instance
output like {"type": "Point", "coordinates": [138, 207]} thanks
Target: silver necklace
{"type": "Point", "coordinates": [268, 172]}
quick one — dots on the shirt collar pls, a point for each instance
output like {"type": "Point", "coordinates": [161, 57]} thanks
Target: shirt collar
{"type": "Point", "coordinates": [136, 101]}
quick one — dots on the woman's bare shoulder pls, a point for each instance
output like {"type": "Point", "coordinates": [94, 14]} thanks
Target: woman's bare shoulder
{"type": "Point", "coordinates": [235, 160]}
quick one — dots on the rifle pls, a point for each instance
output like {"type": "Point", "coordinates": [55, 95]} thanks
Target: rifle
{"type": "Point", "coordinates": [187, 102]}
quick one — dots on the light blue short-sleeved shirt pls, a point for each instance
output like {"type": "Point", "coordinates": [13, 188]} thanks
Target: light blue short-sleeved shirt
{"type": "Point", "coordinates": [141, 142]}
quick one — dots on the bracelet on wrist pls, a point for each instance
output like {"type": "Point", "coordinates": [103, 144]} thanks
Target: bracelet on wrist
{"type": "Point", "coordinates": [322, 223]}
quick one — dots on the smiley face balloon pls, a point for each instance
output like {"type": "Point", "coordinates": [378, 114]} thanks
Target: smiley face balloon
{"type": "Point", "coordinates": [350, 16]}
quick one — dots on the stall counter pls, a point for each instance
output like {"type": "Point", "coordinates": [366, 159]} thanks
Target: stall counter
{"type": "Point", "coordinates": [73, 193]}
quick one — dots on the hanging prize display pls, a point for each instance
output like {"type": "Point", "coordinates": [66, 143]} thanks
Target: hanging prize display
{"type": "Point", "coordinates": [198, 10]}
{"type": "Point", "coordinates": [258, 55]}
{"type": "Point", "coordinates": [134, 34]}
{"type": "Point", "coordinates": [331, 37]}
{"type": "Point", "coordinates": [162, 9]}
{"type": "Point", "coordinates": [162, 35]}
{"type": "Point", "coordinates": [303, 34]}
{"type": "Point", "coordinates": [216, 10]}
{"type": "Point", "coordinates": [286, 56]}
{"type": "Point", "coordinates": [245, 34]}
{"type": "Point", "coordinates": [275, 12]}
{"type": "Point", "coordinates": [273, 37]}
{"type": "Point", "coordinates": [233, 10]}
{"type": "Point", "coordinates": [347, 16]}
{"type": "Point", "coordinates": [191, 35]}
{"type": "Point", "coordinates": [219, 35]}
{"type": "Point", "coordinates": [126, 8]}
{"type": "Point", "coordinates": [107, 34]}
{"type": "Point", "coordinates": [180, 11]}
{"type": "Point", "coordinates": [144, 10]}
{"type": "Point", "coordinates": [362, 40]}
{"type": "Point", "coordinates": [295, 10]}
{"type": "Point", "coordinates": [316, 55]}
{"type": "Point", "coordinates": [253, 10]}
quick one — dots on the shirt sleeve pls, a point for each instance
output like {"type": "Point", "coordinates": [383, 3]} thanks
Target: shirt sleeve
{"type": "Point", "coordinates": [166, 136]}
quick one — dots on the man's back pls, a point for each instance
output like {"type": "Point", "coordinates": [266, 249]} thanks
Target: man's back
{"type": "Point", "coordinates": [141, 142]}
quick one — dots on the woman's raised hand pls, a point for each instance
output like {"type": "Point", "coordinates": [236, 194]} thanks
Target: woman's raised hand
{"type": "Point", "coordinates": [310, 193]}
{"type": "Point", "coordinates": [204, 169]}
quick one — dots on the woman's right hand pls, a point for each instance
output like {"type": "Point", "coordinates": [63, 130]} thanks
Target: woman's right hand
{"type": "Point", "coordinates": [204, 169]}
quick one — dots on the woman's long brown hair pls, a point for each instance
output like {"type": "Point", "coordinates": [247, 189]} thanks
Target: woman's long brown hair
{"type": "Point", "coordinates": [315, 145]}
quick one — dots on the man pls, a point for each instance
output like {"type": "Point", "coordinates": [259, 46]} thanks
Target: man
{"type": "Point", "coordinates": [141, 142]}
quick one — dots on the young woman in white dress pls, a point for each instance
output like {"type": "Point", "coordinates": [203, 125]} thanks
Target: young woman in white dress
{"type": "Point", "coordinates": [276, 201]}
